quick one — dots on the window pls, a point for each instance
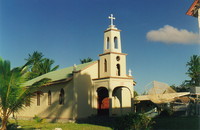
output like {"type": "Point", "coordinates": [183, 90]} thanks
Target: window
{"type": "Point", "coordinates": [28, 101]}
{"type": "Point", "coordinates": [38, 98]}
{"type": "Point", "coordinates": [49, 97]}
{"type": "Point", "coordinates": [118, 58]}
{"type": "Point", "coordinates": [105, 65]}
{"type": "Point", "coordinates": [108, 43]}
{"type": "Point", "coordinates": [118, 69]}
{"type": "Point", "coordinates": [116, 42]}
{"type": "Point", "coordinates": [61, 97]}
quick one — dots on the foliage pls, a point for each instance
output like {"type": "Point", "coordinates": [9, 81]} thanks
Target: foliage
{"type": "Point", "coordinates": [166, 112]}
{"type": "Point", "coordinates": [194, 70]}
{"type": "Point", "coordinates": [135, 97]}
{"type": "Point", "coordinates": [86, 60]}
{"type": "Point", "coordinates": [134, 121]}
{"type": "Point", "coordinates": [182, 88]}
{"type": "Point", "coordinates": [135, 94]}
{"type": "Point", "coordinates": [39, 65]}
{"type": "Point", "coordinates": [37, 119]}
{"type": "Point", "coordinates": [13, 93]}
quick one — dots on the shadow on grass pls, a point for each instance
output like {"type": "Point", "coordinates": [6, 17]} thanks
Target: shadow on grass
{"type": "Point", "coordinates": [99, 120]}
{"type": "Point", "coordinates": [177, 123]}
{"type": "Point", "coordinates": [14, 126]}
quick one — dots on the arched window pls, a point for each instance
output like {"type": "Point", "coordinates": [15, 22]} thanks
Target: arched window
{"type": "Point", "coordinates": [28, 102]}
{"type": "Point", "coordinates": [116, 42]}
{"type": "Point", "coordinates": [118, 69]}
{"type": "Point", "coordinates": [105, 65]}
{"type": "Point", "coordinates": [108, 43]}
{"type": "Point", "coordinates": [38, 98]}
{"type": "Point", "coordinates": [49, 97]}
{"type": "Point", "coordinates": [61, 97]}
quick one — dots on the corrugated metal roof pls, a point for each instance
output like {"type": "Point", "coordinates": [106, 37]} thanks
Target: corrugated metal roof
{"type": "Point", "coordinates": [59, 74]}
{"type": "Point", "coordinates": [192, 11]}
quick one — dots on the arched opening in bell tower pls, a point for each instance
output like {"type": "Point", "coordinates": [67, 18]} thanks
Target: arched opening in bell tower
{"type": "Point", "coordinates": [105, 65]}
{"type": "Point", "coordinates": [118, 69]}
{"type": "Point", "coordinates": [103, 101]}
{"type": "Point", "coordinates": [108, 43]}
{"type": "Point", "coordinates": [115, 42]}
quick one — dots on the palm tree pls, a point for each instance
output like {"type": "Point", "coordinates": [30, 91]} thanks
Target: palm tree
{"type": "Point", "coordinates": [194, 70]}
{"type": "Point", "coordinates": [86, 60]}
{"type": "Point", "coordinates": [45, 66]}
{"type": "Point", "coordinates": [39, 65]}
{"type": "Point", "coordinates": [35, 59]}
{"type": "Point", "coordinates": [13, 93]}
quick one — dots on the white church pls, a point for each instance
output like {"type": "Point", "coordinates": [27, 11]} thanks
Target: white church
{"type": "Point", "coordinates": [99, 87]}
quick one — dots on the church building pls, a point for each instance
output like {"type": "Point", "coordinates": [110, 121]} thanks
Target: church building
{"type": "Point", "coordinates": [99, 87]}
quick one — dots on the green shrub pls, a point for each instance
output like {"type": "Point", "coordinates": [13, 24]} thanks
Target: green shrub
{"type": "Point", "coordinates": [37, 119]}
{"type": "Point", "coordinates": [133, 121]}
{"type": "Point", "coordinates": [166, 112]}
{"type": "Point", "coordinates": [12, 126]}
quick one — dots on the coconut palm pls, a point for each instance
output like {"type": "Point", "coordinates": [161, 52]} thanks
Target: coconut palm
{"type": "Point", "coordinates": [39, 65]}
{"type": "Point", "coordinates": [46, 66]}
{"type": "Point", "coordinates": [86, 60]}
{"type": "Point", "coordinates": [13, 92]}
{"type": "Point", "coordinates": [194, 70]}
{"type": "Point", "coordinates": [35, 59]}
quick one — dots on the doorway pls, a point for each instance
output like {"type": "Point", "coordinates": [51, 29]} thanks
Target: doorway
{"type": "Point", "coordinates": [103, 101]}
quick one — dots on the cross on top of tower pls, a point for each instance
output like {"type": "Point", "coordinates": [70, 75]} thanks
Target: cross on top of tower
{"type": "Point", "coordinates": [111, 19]}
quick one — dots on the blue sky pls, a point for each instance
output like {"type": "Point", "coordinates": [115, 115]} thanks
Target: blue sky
{"type": "Point", "coordinates": [156, 34]}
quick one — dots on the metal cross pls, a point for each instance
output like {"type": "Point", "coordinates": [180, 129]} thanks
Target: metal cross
{"type": "Point", "coordinates": [111, 19]}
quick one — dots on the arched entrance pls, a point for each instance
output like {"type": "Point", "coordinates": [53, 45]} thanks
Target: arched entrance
{"type": "Point", "coordinates": [121, 100]}
{"type": "Point", "coordinates": [103, 101]}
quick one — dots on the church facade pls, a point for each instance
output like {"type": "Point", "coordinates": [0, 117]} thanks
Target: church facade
{"type": "Point", "coordinates": [99, 87]}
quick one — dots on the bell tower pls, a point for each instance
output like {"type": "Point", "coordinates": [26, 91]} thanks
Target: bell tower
{"type": "Point", "coordinates": [112, 61]}
{"type": "Point", "coordinates": [114, 88]}
{"type": "Point", "coordinates": [112, 40]}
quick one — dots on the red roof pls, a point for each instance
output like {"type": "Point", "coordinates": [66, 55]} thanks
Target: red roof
{"type": "Point", "coordinates": [192, 11]}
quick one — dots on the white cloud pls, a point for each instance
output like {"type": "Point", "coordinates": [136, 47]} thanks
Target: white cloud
{"type": "Point", "coordinates": [170, 35]}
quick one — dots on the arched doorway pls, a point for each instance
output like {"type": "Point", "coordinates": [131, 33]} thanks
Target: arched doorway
{"type": "Point", "coordinates": [103, 101]}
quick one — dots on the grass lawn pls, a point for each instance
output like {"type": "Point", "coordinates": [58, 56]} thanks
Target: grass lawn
{"type": "Point", "coordinates": [29, 125]}
{"type": "Point", "coordinates": [102, 123]}
{"type": "Point", "coordinates": [177, 123]}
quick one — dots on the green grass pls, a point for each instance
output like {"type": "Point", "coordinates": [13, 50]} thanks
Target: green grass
{"type": "Point", "coordinates": [162, 123]}
{"type": "Point", "coordinates": [29, 125]}
{"type": "Point", "coordinates": [177, 123]}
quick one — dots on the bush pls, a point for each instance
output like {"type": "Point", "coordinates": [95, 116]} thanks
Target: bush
{"type": "Point", "coordinates": [12, 126]}
{"type": "Point", "coordinates": [37, 119]}
{"type": "Point", "coordinates": [166, 112]}
{"type": "Point", "coordinates": [133, 121]}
